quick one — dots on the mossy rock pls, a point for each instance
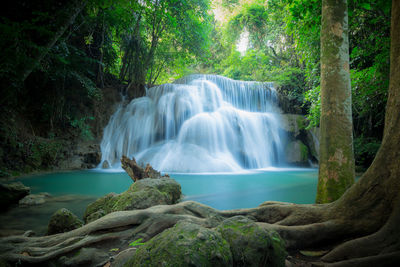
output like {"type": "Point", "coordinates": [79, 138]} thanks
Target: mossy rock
{"type": "Point", "coordinates": [142, 194]}
{"type": "Point", "coordinates": [100, 207]}
{"type": "Point", "coordinates": [185, 244]}
{"type": "Point", "coordinates": [62, 221]}
{"type": "Point", "coordinates": [296, 152]}
{"type": "Point", "coordinates": [12, 193]}
{"type": "Point", "coordinates": [252, 245]}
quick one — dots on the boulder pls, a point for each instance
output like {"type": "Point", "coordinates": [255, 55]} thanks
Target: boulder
{"type": "Point", "coordinates": [252, 245]}
{"type": "Point", "coordinates": [136, 172]}
{"type": "Point", "coordinates": [34, 199]}
{"type": "Point", "coordinates": [12, 193]}
{"type": "Point", "coordinates": [62, 221]}
{"type": "Point", "coordinates": [297, 153]}
{"type": "Point", "coordinates": [185, 244]}
{"type": "Point", "coordinates": [303, 143]}
{"type": "Point", "coordinates": [140, 195]}
{"type": "Point", "coordinates": [313, 136]}
{"type": "Point", "coordinates": [292, 123]}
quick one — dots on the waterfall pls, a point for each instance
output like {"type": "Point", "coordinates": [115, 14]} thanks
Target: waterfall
{"type": "Point", "coordinates": [200, 123]}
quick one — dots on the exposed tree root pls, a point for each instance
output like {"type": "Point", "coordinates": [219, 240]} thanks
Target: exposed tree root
{"type": "Point", "coordinates": [301, 226]}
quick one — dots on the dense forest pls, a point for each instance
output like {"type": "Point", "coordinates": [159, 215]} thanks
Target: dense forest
{"type": "Point", "coordinates": [64, 63]}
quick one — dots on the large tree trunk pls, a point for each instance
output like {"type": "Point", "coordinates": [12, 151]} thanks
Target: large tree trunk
{"type": "Point", "coordinates": [336, 164]}
{"type": "Point", "coordinates": [359, 229]}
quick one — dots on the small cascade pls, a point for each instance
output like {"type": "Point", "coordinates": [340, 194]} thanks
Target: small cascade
{"type": "Point", "coordinates": [200, 123]}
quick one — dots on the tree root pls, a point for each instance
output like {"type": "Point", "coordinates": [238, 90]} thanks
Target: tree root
{"type": "Point", "coordinates": [301, 226]}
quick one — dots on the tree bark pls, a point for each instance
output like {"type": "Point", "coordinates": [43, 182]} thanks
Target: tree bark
{"type": "Point", "coordinates": [336, 165]}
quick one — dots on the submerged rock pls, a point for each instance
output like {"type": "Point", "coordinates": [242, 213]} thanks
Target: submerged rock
{"type": "Point", "coordinates": [12, 193]}
{"type": "Point", "coordinates": [62, 221]}
{"type": "Point", "coordinates": [185, 244]}
{"type": "Point", "coordinates": [34, 199]}
{"type": "Point", "coordinates": [140, 195]}
{"type": "Point", "coordinates": [252, 245]}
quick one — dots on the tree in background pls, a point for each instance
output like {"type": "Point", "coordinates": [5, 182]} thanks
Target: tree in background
{"type": "Point", "coordinates": [369, 34]}
{"type": "Point", "coordinates": [60, 58]}
{"type": "Point", "coordinates": [336, 163]}
{"type": "Point", "coordinates": [160, 33]}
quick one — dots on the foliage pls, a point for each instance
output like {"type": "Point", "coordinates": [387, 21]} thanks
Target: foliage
{"type": "Point", "coordinates": [137, 242]}
{"type": "Point", "coordinates": [365, 149]}
{"type": "Point", "coordinates": [84, 128]}
{"type": "Point", "coordinates": [158, 36]}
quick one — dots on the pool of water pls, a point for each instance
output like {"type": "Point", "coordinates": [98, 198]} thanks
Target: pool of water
{"type": "Point", "coordinates": [75, 190]}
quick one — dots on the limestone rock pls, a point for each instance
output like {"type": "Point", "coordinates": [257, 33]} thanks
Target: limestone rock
{"type": "Point", "coordinates": [136, 172]}
{"type": "Point", "coordinates": [292, 123]}
{"type": "Point", "coordinates": [252, 245]}
{"type": "Point", "coordinates": [140, 195]}
{"type": "Point", "coordinates": [12, 193]}
{"type": "Point", "coordinates": [313, 136]}
{"type": "Point", "coordinates": [297, 153]}
{"type": "Point", "coordinates": [34, 199]}
{"type": "Point", "coordinates": [185, 244]}
{"type": "Point", "coordinates": [62, 221]}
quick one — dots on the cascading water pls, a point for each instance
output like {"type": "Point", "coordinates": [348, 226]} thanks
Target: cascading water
{"type": "Point", "coordinates": [200, 123]}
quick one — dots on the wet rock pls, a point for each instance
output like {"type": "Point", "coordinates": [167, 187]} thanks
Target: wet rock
{"type": "Point", "coordinates": [34, 199]}
{"type": "Point", "coordinates": [62, 221]}
{"type": "Point", "coordinates": [303, 144]}
{"type": "Point", "coordinates": [105, 165]}
{"type": "Point", "coordinates": [136, 172]}
{"type": "Point", "coordinates": [313, 136]}
{"type": "Point", "coordinates": [252, 245]}
{"type": "Point", "coordinates": [12, 193]}
{"type": "Point", "coordinates": [142, 194]}
{"type": "Point", "coordinates": [292, 123]}
{"type": "Point", "coordinates": [297, 153]}
{"type": "Point", "coordinates": [185, 244]}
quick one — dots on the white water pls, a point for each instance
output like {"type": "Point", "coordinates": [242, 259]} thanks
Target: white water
{"type": "Point", "coordinates": [200, 123]}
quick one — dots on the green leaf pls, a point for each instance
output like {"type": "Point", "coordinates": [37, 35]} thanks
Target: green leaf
{"type": "Point", "coordinates": [136, 243]}
{"type": "Point", "coordinates": [366, 6]}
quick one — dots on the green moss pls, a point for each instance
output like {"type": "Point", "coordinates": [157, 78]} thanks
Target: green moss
{"type": "Point", "coordinates": [140, 195]}
{"type": "Point", "coordinates": [300, 123]}
{"type": "Point", "coordinates": [304, 152]}
{"type": "Point", "coordinates": [185, 244]}
{"type": "Point", "coordinates": [250, 244]}
{"type": "Point", "coordinates": [62, 221]}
